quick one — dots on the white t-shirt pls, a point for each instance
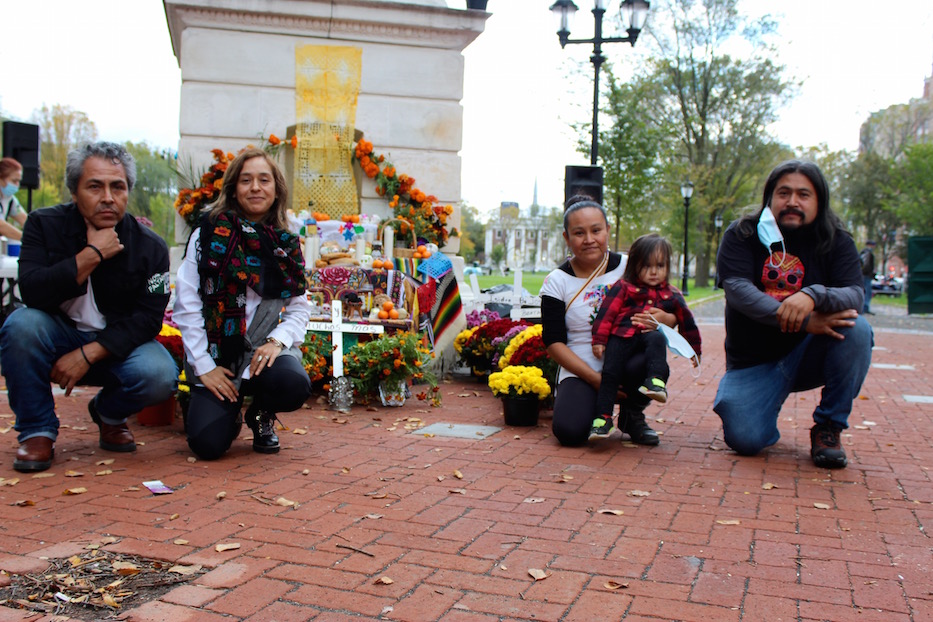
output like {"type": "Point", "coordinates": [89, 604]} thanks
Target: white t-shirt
{"type": "Point", "coordinates": [10, 207]}
{"type": "Point", "coordinates": [579, 317]}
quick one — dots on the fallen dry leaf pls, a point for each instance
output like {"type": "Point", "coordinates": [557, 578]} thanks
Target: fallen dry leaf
{"type": "Point", "coordinates": [373, 516]}
{"type": "Point", "coordinates": [538, 574]}
{"type": "Point", "coordinates": [180, 541]}
{"type": "Point", "coordinates": [192, 459]}
{"type": "Point", "coordinates": [13, 481]}
{"type": "Point", "coordinates": [173, 517]}
{"type": "Point", "coordinates": [106, 462]}
{"type": "Point", "coordinates": [457, 491]}
{"type": "Point", "coordinates": [441, 478]}
{"type": "Point", "coordinates": [104, 472]}
{"type": "Point", "coordinates": [340, 421]}
{"type": "Point", "coordinates": [730, 521]}
{"type": "Point", "coordinates": [564, 478]}
{"type": "Point", "coordinates": [376, 495]}
{"type": "Point", "coordinates": [299, 431]}
{"type": "Point", "coordinates": [221, 495]}
{"type": "Point", "coordinates": [74, 491]}
{"type": "Point", "coordinates": [23, 503]}
{"type": "Point", "coordinates": [305, 471]}
{"type": "Point", "coordinates": [185, 570]}
{"type": "Point", "coordinates": [428, 435]}
{"type": "Point", "coordinates": [638, 493]}
{"type": "Point", "coordinates": [125, 568]}
{"type": "Point", "coordinates": [768, 486]}
{"type": "Point", "coordinates": [533, 500]}
{"type": "Point", "coordinates": [383, 581]}
{"type": "Point", "coordinates": [458, 474]}
{"type": "Point", "coordinates": [285, 503]}
{"type": "Point", "coordinates": [821, 506]}
{"type": "Point", "coordinates": [109, 600]}
{"type": "Point", "coordinates": [614, 585]}
{"type": "Point", "coordinates": [47, 474]}
{"type": "Point", "coordinates": [227, 546]}
{"type": "Point", "coordinates": [608, 511]}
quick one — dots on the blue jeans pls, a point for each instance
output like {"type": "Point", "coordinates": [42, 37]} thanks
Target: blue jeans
{"type": "Point", "coordinates": [866, 308]}
{"type": "Point", "coordinates": [30, 343]}
{"type": "Point", "coordinates": [749, 399]}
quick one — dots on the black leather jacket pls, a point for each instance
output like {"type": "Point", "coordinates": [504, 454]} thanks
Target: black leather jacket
{"type": "Point", "coordinates": [131, 289]}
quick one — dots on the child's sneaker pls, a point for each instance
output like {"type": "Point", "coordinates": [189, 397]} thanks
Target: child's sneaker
{"type": "Point", "coordinates": [602, 427]}
{"type": "Point", "coordinates": [655, 389]}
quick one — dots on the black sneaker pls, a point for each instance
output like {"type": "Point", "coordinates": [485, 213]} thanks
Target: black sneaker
{"type": "Point", "coordinates": [262, 424]}
{"type": "Point", "coordinates": [602, 427]}
{"type": "Point", "coordinates": [638, 430]}
{"type": "Point", "coordinates": [826, 448]}
{"type": "Point", "coordinates": [655, 389]}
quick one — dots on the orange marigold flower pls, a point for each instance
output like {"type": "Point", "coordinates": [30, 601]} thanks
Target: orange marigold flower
{"type": "Point", "coordinates": [390, 171]}
{"type": "Point", "coordinates": [364, 161]}
{"type": "Point", "coordinates": [294, 142]}
{"type": "Point", "coordinates": [218, 153]}
{"type": "Point", "coordinates": [273, 139]}
{"type": "Point", "coordinates": [397, 363]}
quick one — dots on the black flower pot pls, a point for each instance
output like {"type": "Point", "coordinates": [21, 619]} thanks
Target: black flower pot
{"type": "Point", "coordinates": [521, 411]}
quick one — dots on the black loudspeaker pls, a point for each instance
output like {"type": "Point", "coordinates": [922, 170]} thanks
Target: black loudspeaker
{"type": "Point", "coordinates": [586, 180]}
{"type": "Point", "coordinates": [21, 142]}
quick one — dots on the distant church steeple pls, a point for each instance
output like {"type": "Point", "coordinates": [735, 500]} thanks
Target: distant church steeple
{"type": "Point", "coordinates": [534, 200]}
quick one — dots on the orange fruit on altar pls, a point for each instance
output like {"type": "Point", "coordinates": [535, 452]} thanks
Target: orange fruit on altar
{"type": "Point", "coordinates": [422, 249]}
{"type": "Point", "coordinates": [417, 255]}
{"type": "Point", "coordinates": [383, 315]}
{"type": "Point", "coordinates": [354, 218]}
{"type": "Point", "coordinates": [426, 254]}
{"type": "Point", "coordinates": [388, 305]}
{"type": "Point", "coordinates": [393, 314]}
{"type": "Point", "coordinates": [377, 263]}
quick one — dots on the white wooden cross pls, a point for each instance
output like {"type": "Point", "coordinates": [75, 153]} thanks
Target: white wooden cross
{"type": "Point", "coordinates": [337, 327]}
{"type": "Point", "coordinates": [513, 298]}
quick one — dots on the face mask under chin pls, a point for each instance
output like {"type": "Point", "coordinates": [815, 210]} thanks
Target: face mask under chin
{"type": "Point", "coordinates": [769, 233]}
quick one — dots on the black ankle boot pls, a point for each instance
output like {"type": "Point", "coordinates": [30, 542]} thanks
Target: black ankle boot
{"type": "Point", "coordinates": [262, 424]}
{"type": "Point", "coordinates": [633, 424]}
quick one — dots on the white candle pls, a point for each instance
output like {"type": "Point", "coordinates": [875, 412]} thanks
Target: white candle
{"type": "Point", "coordinates": [388, 241]}
{"type": "Point", "coordinates": [360, 248]}
{"type": "Point", "coordinates": [312, 250]}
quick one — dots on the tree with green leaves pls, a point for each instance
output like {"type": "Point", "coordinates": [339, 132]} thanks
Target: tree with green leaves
{"type": "Point", "coordinates": [913, 180]}
{"type": "Point", "coordinates": [61, 129]}
{"type": "Point", "coordinates": [472, 233]}
{"type": "Point", "coordinates": [717, 107]}
{"type": "Point", "coordinates": [630, 150]}
{"type": "Point", "coordinates": [153, 196]}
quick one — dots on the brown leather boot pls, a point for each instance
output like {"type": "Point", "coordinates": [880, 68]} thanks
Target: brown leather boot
{"type": "Point", "coordinates": [34, 454]}
{"type": "Point", "coordinates": [112, 437]}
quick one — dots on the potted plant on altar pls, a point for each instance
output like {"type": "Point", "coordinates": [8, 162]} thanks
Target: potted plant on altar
{"type": "Point", "coordinates": [521, 388]}
{"type": "Point", "coordinates": [384, 367]}
{"type": "Point", "coordinates": [164, 413]}
{"type": "Point", "coordinates": [316, 356]}
{"type": "Point", "coordinates": [476, 347]}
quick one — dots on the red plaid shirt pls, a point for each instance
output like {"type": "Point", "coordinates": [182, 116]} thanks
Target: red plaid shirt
{"type": "Point", "coordinates": [624, 300]}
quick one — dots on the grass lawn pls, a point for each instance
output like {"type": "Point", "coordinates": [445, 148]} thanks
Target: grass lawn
{"type": "Point", "coordinates": [532, 282]}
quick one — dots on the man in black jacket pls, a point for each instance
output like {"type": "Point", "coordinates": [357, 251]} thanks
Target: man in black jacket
{"type": "Point", "coordinates": [95, 283]}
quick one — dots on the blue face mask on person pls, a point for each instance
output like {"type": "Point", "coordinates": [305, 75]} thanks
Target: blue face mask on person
{"type": "Point", "coordinates": [9, 189]}
{"type": "Point", "coordinates": [769, 233]}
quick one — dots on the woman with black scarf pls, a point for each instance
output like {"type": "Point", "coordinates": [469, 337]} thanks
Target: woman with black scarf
{"type": "Point", "coordinates": [242, 311]}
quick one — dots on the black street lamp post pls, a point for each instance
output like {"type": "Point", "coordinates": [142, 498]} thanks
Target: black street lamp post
{"type": "Point", "coordinates": [718, 222]}
{"type": "Point", "coordinates": [686, 191]}
{"type": "Point", "coordinates": [634, 13]}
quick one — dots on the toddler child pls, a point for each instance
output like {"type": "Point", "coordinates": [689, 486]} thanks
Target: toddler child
{"type": "Point", "coordinates": [616, 337]}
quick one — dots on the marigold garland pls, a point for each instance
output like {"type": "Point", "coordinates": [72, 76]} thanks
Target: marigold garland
{"type": "Point", "coordinates": [408, 203]}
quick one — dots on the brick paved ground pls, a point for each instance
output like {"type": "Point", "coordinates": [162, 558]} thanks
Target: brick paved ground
{"type": "Point", "coordinates": [703, 535]}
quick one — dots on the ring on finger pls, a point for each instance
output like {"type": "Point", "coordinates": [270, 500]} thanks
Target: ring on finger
{"type": "Point", "coordinates": [259, 358]}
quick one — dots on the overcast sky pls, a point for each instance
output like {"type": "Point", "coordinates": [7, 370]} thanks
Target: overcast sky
{"type": "Point", "coordinates": [113, 60]}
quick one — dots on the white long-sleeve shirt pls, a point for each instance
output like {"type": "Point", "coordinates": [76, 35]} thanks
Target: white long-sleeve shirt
{"type": "Point", "coordinates": [188, 307]}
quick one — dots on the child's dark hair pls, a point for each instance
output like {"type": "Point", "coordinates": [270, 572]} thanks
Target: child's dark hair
{"type": "Point", "coordinates": [643, 249]}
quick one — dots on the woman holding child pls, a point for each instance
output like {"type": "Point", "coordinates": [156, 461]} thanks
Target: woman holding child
{"type": "Point", "coordinates": [570, 299]}
{"type": "Point", "coordinates": [242, 311]}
